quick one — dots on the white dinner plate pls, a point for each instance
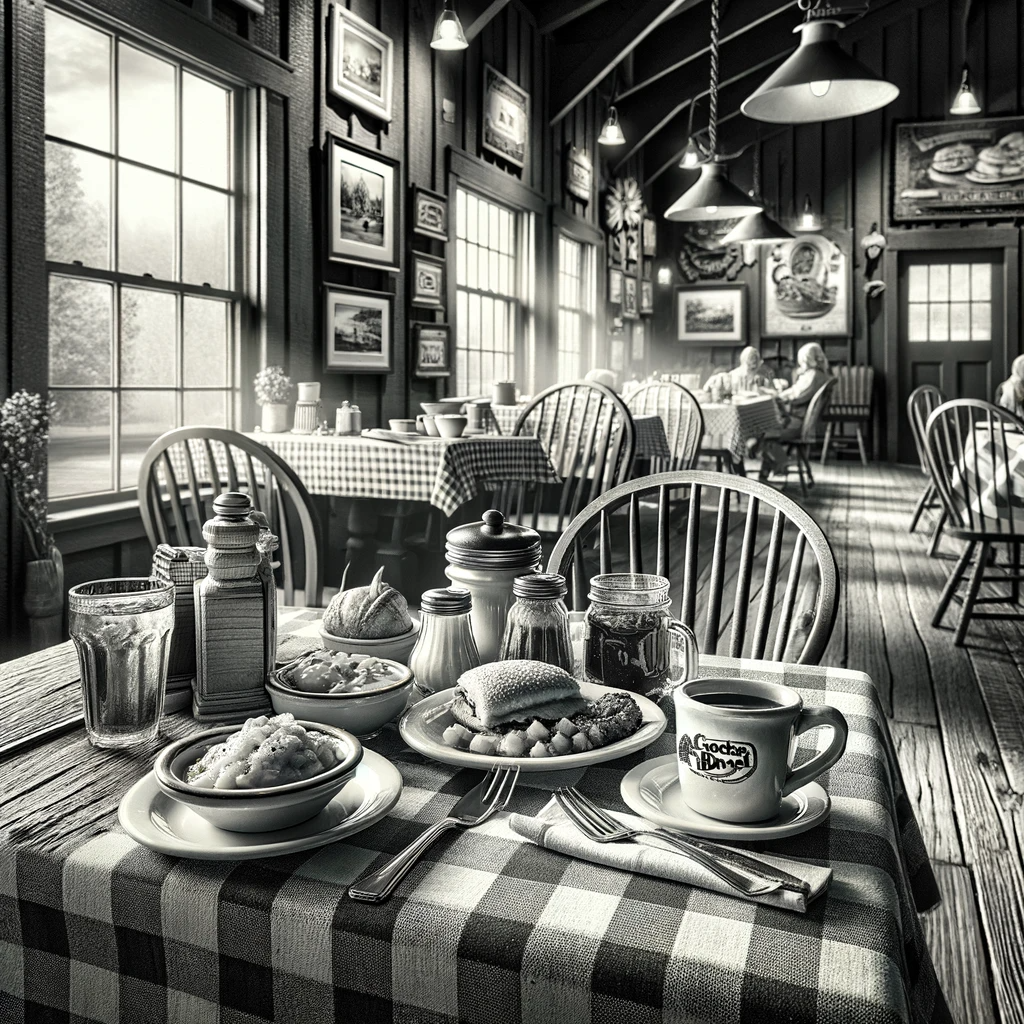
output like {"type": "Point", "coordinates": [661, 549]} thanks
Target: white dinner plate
{"type": "Point", "coordinates": [422, 725]}
{"type": "Point", "coordinates": [163, 824]}
{"type": "Point", "coordinates": [652, 790]}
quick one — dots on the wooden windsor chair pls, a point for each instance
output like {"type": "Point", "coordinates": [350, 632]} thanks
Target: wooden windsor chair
{"type": "Point", "coordinates": [185, 469]}
{"type": "Point", "coordinates": [681, 415]}
{"type": "Point", "coordinates": [590, 438]}
{"type": "Point", "coordinates": [923, 401]}
{"type": "Point", "coordinates": [730, 572]}
{"type": "Point", "coordinates": [798, 451]}
{"type": "Point", "coordinates": [974, 468]}
{"type": "Point", "coordinates": [851, 403]}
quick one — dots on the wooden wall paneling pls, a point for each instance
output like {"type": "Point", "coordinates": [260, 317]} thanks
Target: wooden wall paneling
{"type": "Point", "coordinates": [934, 64]}
{"type": "Point", "coordinates": [6, 359]}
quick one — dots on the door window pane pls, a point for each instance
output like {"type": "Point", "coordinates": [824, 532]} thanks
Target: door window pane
{"type": "Point", "coordinates": [960, 282]}
{"type": "Point", "coordinates": [981, 282]}
{"type": "Point", "coordinates": [949, 302]}
{"type": "Point", "coordinates": [77, 82]}
{"type": "Point", "coordinates": [938, 322]}
{"type": "Point", "coordinates": [981, 321]}
{"type": "Point", "coordinates": [959, 321]}
{"type": "Point", "coordinates": [146, 115]}
{"type": "Point", "coordinates": [917, 329]}
{"type": "Point", "coordinates": [205, 130]}
{"type": "Point", "coordinates": [204, 225]}
{"type": "Point", "coordinates": [938, 282]}
{"type": "Point", "coordinates": [81, 331]}
{"type": "Point", "coordinates": [145, 223]}
{"type": "Point", "coordinates": [917, 286]}
{"type": "Point", "coordinates": [206, 345]}
{"type": "Point", "coordinates": [148, 337]}
{"type": "Point", "coordinates": [77, 206]}
{"type": "Point", "coordinates": [145, 415]}
{"type": "Point", "coordinates": [79, 450]}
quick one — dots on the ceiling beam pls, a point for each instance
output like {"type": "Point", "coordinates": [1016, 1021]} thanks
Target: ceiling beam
{"type": "Point", "coordinates": [556, 14]}
{"type": "Point", "coordinates": [617, 34]}
{"type": "Point", "coordinates": [480, 14]}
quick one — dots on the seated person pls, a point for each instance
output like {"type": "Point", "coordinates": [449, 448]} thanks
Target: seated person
{"type": "Point", "coordinates": [606, 377]}
{"type": "Point", "coordinates": [751, 373]}
{"type": "Point", "coordinates": [1010, 394]}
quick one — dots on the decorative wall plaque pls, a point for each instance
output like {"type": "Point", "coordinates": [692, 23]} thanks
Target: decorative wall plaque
{"type": "Point", "coordinates": [579, 174]}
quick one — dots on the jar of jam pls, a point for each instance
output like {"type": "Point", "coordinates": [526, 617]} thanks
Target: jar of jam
{"type": "Point", "coordinates": [628, 634]}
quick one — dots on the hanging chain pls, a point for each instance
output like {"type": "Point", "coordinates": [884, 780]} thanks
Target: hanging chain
{"type": "Point", "coordinates": [713, 84]}
{"type": "Point", "coordinates": [757, 167]}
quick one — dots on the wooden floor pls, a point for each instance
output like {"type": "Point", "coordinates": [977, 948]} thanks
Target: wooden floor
{"type": "Point", "coordinates": [957, 719]}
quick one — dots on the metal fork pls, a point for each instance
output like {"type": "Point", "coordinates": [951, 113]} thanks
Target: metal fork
{"type": "Point", "coordinates": [595, 824]}
{"type": "Point", "coordinates": [483, 801]}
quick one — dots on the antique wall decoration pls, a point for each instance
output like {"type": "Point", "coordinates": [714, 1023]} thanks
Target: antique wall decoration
{"type": "Point", "coordinates": [703, 256]}
{"type": "Point", "coordinates": [623, 213]}
{"type": "Point", "coordinates": [630, 306]}
{"type": "Point", "coordinates": [958, 170]}
{"type": "Point", "coordinates": [363, 219]}
{"type": "Point", "coordinates": [646, 298]}
{"type": "Point", "coordinates": [650, 237]}
{"type": "Point", "coordinates": [615, 285]}
{"type": "Point", "coordinates": [506, 117]}
{"type": "Point", "coordinates": [429, 214]}
{"type": "Point", "coordinates": [639, 338]}
{"type": "Point", "coordinates": [806, 289]}
{"type": "Point", "coordinates": [711, 313]}
{"type": "Point", "coordinates": [357, 330]}
{"type": "Point", "coordinates": [579, 174]}
{"type": "Point", "coordinates": [362, 63]}
{"type": "Point", "coordinates": [427, 284]}
{"type": "Point", "coordinates": [431, 349]}
{"type": "Point", "coordinates": [617, 354]}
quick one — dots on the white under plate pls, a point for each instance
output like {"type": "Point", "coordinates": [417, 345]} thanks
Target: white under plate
{"type": "Point", "coordinates": [652, 790]}
{"type": "Point", "coordinates": [163, 824]}
{"type": "Point", "coordinates": [422, 725]}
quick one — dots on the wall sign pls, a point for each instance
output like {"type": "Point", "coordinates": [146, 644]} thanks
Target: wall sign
{"type": "Point", "coordinates": [579, 174]}
{"type": "Point", "coordinates": [362, 63]}
{"type": "Point", "coordinates": [506, 116]}
{"type": "Point", "coordinates": [806, 289]}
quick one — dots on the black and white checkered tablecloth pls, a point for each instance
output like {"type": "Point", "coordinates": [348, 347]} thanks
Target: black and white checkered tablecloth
{"type": "Point", "coordinates": [728, 425]}
{"type": "Point", "coordinates": [995, 494]}
{"type": "Point", "coordinates": [488, 929]}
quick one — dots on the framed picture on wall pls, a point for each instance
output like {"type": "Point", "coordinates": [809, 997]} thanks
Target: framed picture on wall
{"type": "Point", "coordinates": [650, 236]}
{"type": "Point", "coordinates": [646, 298]}
{"type": "Point", "coordinates": [630, 306]}
{"type": "Point", "coordinates": [429, 214]}
{"type": "Point", "coordinates": [363, 216]}
{"type": "Point", "coordinates": [805, 289]}
{"type": "Point", "coordinates": [362, 63]}
{"type": "Point", "coordinates": [615, 286]}
{"type": "Point", "coordinates": [579, 174]}
{"type": "Point", "coordinates": [639, 340]}
{"type": "Point", "coordinates": [358, 328]}
{"type": "Point", "coordinates": [431, 349]}
{"type": "Point", "coordinates": [427, 287]}
{"type": "Point", "coordinates": [712, 313]}
{"type": "Point", "coordinates": [506, 117]}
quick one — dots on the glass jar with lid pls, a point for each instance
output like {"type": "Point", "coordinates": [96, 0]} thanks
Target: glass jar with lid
{"type": "Point", "coordinates": [538, 622]}
{"type": "Point", "coordinates": [445, 647]}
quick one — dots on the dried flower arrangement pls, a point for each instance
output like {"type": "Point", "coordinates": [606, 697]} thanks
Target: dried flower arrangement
{"type": "Point", "coordinates": [24, 435]}
{"type": "Point", "coordinates": [272, 386]}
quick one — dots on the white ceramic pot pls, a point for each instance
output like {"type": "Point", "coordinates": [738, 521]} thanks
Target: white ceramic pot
{"type": "Point", "coordinates": [492, 598]}
{"type": "Point", "coordinates": [274, 418]}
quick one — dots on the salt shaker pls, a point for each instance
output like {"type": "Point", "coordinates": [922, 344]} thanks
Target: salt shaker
{"type": "Point", "coordinates": [538, 623]}
{"type": "Point", "coordinates": [445, 647]}
{"type": "Point", "coordinates": [357, 420]}
{"type": "Point", "coordinates": [343, 419]}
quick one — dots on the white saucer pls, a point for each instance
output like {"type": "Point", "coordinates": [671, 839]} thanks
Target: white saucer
{"type": "Point", "coordinates": [163, 824]}
{"type": "Point", "coordinates": [652, 790]}
{"type": "Point", "coordinates": [422, 725]}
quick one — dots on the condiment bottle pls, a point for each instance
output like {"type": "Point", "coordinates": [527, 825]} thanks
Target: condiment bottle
{"type": "Point", "coordinates": [445, 647]}
{"type": "Point", "coordinates": [538, 622]}
{"type": "Point", "coordinates": [343, 419]}
{"type": "Point", "coordinates": [486, 557]}
{"type": "Point", "coordinates": [357, 420]}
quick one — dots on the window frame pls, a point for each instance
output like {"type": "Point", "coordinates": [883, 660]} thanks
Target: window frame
{"type": "Point", "coordinates": [587, 303]}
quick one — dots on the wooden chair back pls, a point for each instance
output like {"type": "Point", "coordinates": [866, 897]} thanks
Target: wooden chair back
{"type": "Point", "coordinates": [923, 401]}
{"type": "Point", "coordinates": [681, 415]}
{"type": "Point", "coordinates": [590, 438]}
{"type": "Point", "coordinates": [185, 469]}
{"type": "Point", "coordinates": [816, 408]}
{"type": "Point", "coordinates": [730, 572]}
{"type": "Point", "coordinates": [853, 395]}
{"type": "Point", "coordinates": [973, 447]}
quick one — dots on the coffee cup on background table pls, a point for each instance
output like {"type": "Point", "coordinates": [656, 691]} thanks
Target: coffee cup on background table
{"type": "Point", "coordinates": [735, 740]}
{"type": "Point", "coordinates": [403, 426]}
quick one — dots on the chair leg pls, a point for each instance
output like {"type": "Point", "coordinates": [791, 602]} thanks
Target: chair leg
{"type": "Point", "coordinates": [806, 454]}
{"type": "Point", "coordinates": [860, 445]}
{"type": "Point", "coordinates": [971, 595]}
{"type": "Point", "coordinates": [829, 427]}
{"type": "Point", "coordinates": [937, 534]}
{"type": "Point", "coordinates": [800, 471]}
{"type": "Point", "coordinates": [922, 504]}
{"type": "Point", "coordinates": [954, 580]}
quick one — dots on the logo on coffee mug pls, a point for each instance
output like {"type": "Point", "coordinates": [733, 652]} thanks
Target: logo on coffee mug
{"type": "Point", "coordinates": [718, 760]}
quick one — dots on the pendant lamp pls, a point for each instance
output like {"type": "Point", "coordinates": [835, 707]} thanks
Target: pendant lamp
{"type": "Point", "coordinates": [809, 220]}
{"type": "Point", "coordinates": [694, 154]}
{"type": "Point", "coordinates": [611, 133]}
{"type": "Point", "coordinates": [965, 101]}
{"type": "Point", "coordinates": [757, 227]}
{"type": "Point", "coordinates": [448, 34]}
{"type": "Point", "coordinates": [819, 82]}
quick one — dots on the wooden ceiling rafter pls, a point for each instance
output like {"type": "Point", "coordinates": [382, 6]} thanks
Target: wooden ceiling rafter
{"type": "Point", "coordinates": [555, 14]}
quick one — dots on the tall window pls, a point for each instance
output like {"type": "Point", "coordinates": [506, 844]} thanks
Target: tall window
{"type": "Point", "coordinates": [142, 252]}
{"type": "Point", "coordinates": [949, 302]}
{"type": "Point", "coordinates": [488, 307]}
{"type": "Point", "coordinates": [575, 307]}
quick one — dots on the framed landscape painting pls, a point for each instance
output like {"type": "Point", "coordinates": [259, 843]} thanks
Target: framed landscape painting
{"type": "Point", "coordinates": [506, 117]}
{"type": "Point", "coordinates": [357, 330]}
{"type": "Point", "coordinates": [806, 289]}
{"type": "Point", "coordinates": [364, 217]}
{"type": "Point", "coordinates": [429, 214]}
{"type": "Point", "coordinates": [712, 313]}
{"type": "Point", "coordinates": [362, 63]}
{"type": "Point", "coordinates": [431, 349]}
{"type": "Point", "coordinates": [427, 288]}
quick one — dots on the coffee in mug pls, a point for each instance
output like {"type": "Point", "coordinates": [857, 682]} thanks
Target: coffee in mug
{"type": "Point", "coordinates": [735, 740]}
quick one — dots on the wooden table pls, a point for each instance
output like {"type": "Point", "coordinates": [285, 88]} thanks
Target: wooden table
{"type": "Point", "coordinates": [729, 425]}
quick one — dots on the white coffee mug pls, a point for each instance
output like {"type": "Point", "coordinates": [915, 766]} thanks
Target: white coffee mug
{"type": "Point", "coordinates": [309, 391]}
{"type": "Point", "coordinates": [735, 740]}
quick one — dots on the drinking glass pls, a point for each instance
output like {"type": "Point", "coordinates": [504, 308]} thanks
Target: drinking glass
{"type": "Point", "coordinates": [122, 630]}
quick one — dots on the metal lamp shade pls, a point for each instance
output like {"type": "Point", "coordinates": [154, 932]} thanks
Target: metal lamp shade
{"type": "Point", "coordinates": [448, 34]}
{"type": "Point", "coordinates": [712, 197]}
{"type": "Point", "coordinates": [819, 82]}
{"type": "Point", "coordinates": [758, 227]}
{"type": "Point", "coordinates": [611, 133]}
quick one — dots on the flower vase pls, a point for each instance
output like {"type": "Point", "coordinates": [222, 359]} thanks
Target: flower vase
{"type": "Point", "coordinates": [275, 418]}
{"type": "Point", "coordinates": [44, 600]}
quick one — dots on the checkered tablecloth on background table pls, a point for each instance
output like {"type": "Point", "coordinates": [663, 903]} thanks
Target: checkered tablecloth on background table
{"type": "Point", "coordinates": [487, 929]}
{"type": "Point", "coordinates": [729, 425]}
{"type": "Point", "coordinates": [997, 495]}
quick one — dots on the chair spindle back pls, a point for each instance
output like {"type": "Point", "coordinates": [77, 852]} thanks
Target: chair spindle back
{"type": "Point", "coordinates": [680, 413]}
{"type": "Point", "coordinates": [923, 401]}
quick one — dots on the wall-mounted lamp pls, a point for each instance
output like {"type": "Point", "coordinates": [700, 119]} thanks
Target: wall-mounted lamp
{"type": "Point", "coordinates": [664, 276]}
{"type": "Point", "coordinates": [448, 34]}
{"type": "Point", "coordinates": [965, 102]}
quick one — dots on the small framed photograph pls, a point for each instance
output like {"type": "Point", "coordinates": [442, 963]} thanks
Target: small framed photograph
{"type": "Point", "coordinates": [357, 330]}
{"type": "Point", "coordinates": [579, 174]}
{"type": "Point", "coordinates": [617, 354]}
{"type": "Point", "coordinates": [429, 214]}
{"type": "Point", "coordinates": [427, 288]}
{"type": "Point", "coordinates": [506, 116]}
{"type": "Point", "coordinates": [639, 339]}
{"type": "Point", "coordinates": [712, 313]}
{"type": "Point", "coordinates": [646, 298]}
{"type": "Point", "coordinates": [630, 307]}
{"type": "Point", "coordinates": [650, 236]}
{"type": "Point", "coordinates": [362, 63]}
{"type": "Point", "coordinates": [615, 286]}
{"type": "Point", "coordinates": [363, 214]}
{"type": "Point", "coordinates": [431, 349]}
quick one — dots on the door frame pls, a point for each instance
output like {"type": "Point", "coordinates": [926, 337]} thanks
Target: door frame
{"type": "Point", "coordinates": [943, 240]}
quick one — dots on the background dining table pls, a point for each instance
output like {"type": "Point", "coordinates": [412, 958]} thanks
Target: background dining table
{"type": "Point", "coordinates": [487, 928]}
{"type": "Point", "coordinates": [729, 425]}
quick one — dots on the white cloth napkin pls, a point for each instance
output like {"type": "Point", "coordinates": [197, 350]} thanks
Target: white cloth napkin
{"type": "Point", "coordinates": [553, 830]}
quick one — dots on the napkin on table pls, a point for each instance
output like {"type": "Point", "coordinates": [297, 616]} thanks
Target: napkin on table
{"type": "Point", "coordinates": [553, 830]}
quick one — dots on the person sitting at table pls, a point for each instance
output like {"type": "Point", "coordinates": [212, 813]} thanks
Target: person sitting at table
{"type": "Point", "coordinates": [750, 374]}
{"type": "Point", "coordinates": [1010, 394]}
{"type": "Point", "coordinates": [606, 377]}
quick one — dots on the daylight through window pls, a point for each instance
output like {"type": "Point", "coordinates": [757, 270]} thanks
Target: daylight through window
{"type": "Point", "coordinates": [575, 307]}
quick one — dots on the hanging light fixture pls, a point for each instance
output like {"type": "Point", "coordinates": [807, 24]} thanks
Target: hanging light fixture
{"type": "Point", "coordinates": [448, 34]}
{"type": "Point", "coordinates": [965, 101]}
{"type": "Point", "coordinates": [713, 196]}
{"type": "Point", "coordinates": [694, 155]}
{"type": "Point", "coordinates": [809, 220]}
{"type": "Point", "coordinates": [819, 82]}
{"type": "Point", "coordinates": [757, 227]}
{"type": "Point", "coordinates": [611, 133]}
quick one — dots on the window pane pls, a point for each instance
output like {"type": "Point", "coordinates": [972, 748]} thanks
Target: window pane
{"type": "Point", "coordinates": [145, 116]}
{"type": "Point", "coordinates": [204, 219]}
{"type": "Point", "coordinates": [917, 288]}
{"type": "Point", "coordinates": [206, 408]}
{"type": "Point", "coordinates": [460, 214]}
{"type": "Point", "coordinates": [460, 261]}
{"type": "Point", "coordinates": [145, 223]}
{"type": "Point", "coordinates": [205, 130]}
{"type": "Point", "coordinates": [959, 321]}
{"type": "Point", "coordinates": [938, 282]}
{"type": "Point", "coordinates": [206, 342]}
{"type": "Point", "coordinates": [981, 321]}
{"type": "Point", "coordinates": [79, 452]}
{"type": "Point", "coordinates": [960, 282]}
{"type": "Point", "coordinates": [145, 415]}
{"type": "Point", "coordinates": [77, 207]}
{"type": "Point", "coordinates": [148, 337]}
{"type": "Point", "coordinates": [981, 281]}
{"type": "Point", "coordinates": [81, 331]}
{"type": "Point", "coordinates": [938, 322]}
{"type": "Point", "coordinates": [77, 82]}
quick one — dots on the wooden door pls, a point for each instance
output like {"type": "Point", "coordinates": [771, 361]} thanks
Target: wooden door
{"type": "Point", "coordinates": [951, 321]}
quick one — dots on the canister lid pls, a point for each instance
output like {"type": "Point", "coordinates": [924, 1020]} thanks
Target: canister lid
{"type": "Point", "coordinates": [493, 544]}
{"type": "Point", "coordinates": [446, 601]}
{"type": "Point", "coordinates": [539, 586]}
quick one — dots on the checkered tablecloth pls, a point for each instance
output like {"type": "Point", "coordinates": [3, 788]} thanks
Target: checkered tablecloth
{"type": "Point", "coordinates": [487, 929]}
{"type": "Point", "coordinates": [995, 494]}
{"type": "Point", "coordinates": [445, 473]}
{"type": "Point", "coordinates": [728, 425]}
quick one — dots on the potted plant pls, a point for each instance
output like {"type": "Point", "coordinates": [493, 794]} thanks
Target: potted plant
{"type": "Point", "coordinates": [24, 435]}
{"type": "Point", "coordinates": [272, 387]}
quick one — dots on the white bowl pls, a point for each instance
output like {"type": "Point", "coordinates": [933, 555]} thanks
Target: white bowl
{"type": "Point", "coordinates": [445, 405]}
{"type": "Point", "coordinates": [449, 426]}
{"type": "Point", "coordinates": [254, 810]}
{"type": "Point", "coordinates": [393, 648]}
